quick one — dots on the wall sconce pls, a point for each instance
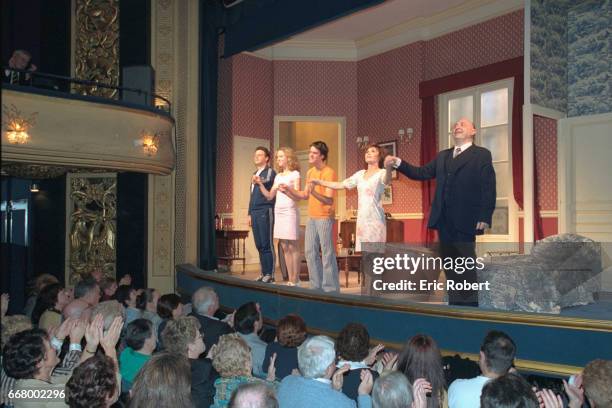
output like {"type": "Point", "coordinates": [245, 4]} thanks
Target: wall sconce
{"type": "Point", "coordinates": [17, 125]}
{"type": "Point", "coordinates": [362, 142]}
{"type": "Point", "coordinates": [34, 188]}
{"type": "Point", "coordinates": [405, 135]}
{"type": "Point", "coordinates": [149, 142]}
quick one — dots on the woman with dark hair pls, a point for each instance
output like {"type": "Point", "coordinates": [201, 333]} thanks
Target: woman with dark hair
{"type": "Point", "coordinates": [370, 183]}
{"type": "Point", "coordinates": [353, 348]}
{"type": "Point", "coordinates": [164, 381]}
{"type": "Point", "coordinates": [290, 334]}
{"type": "Point", "coordinates": [169, 307]}
{"type": "Point", "coordinates": [51, 301]}
{"type": "Point", "coordinates": [421, 359]}
{"type": "Point", "coordinates": [93, 384]}
{"type": "Point", "coordinates": [127, 296]}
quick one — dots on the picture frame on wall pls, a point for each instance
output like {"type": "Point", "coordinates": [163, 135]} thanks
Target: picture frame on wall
{"type": "Point", "coordinates": [387, 197]}
{"type": "Point", "coordinates": [391, 149]}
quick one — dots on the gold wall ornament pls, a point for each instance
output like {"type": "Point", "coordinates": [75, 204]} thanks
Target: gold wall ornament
{"type": "Point", "coordinates": [93, 221]}
{"type": "Point", "coordinates": [97, 45]}
{"type": "Point", "coordinates": [16, 124]}
{"type": "Point", "coordinates": [33, 171]}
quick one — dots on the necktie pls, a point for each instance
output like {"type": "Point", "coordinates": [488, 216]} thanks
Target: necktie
{"type": "Point", "coordinates": [457, 152]}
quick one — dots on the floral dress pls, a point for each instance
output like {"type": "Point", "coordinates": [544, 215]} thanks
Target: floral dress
{"type": "Point", "coordinates": [371, 223]}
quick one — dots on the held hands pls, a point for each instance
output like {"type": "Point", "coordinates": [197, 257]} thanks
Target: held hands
{"type": "Point", "coordinates": [390, 162]}
{"type": "Point", "coordinates": [256, 180]}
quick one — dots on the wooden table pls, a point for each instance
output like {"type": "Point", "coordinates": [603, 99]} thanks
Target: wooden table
{"type": "Point", "coordinates": [346, 262]}
{"type": "Point", "coordinates": [229, 248]}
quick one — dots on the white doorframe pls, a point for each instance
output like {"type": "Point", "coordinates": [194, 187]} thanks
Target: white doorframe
{"type": "Point", "coordinates": [341, 170]}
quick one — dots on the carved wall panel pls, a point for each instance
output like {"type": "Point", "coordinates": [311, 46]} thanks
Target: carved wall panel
{"type": "Point", "coordinates": [91, 214]}
{"type": "Point", "coordinates": [97, 45]}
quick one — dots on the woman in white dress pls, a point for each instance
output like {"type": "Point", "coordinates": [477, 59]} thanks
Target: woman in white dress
{"type": "Point", "coordinates": [286, 215]}
{"type": "Point", "coordinates": [370, 183]}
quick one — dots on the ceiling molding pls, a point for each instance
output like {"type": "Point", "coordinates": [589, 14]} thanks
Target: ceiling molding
{"type": "Point", "coordinates": [419, 29]}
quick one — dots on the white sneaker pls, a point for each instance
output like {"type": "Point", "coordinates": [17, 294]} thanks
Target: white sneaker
{"type": "Point", "coordinates": [268, 279]}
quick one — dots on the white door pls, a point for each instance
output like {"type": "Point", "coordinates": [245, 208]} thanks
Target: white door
{"type": "Point", "coordinates": [243, 167]}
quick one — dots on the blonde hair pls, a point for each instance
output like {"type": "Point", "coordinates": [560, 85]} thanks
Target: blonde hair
{"type": "Point", "coordinates": [14, 324]}
{"type": "Point", "coordinates": [232, 356]}
{"type": "Point", "coordinates": [292, 160]}
{"type": "Point", "coordinates": [179, 333]}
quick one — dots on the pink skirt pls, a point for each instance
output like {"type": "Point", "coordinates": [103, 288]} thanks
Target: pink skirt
{"type": "Point", "coordinates": [286, 223]}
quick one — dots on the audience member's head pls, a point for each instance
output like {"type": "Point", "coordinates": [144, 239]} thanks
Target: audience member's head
{"type": "Point", "coordinates": [97, 274]}
{"type": "Point", "coordinates": [248, 319]}
{"type": "Point", "coordinates": [139, 335]}
{"type": "Point", "coordinates": [253, 395]}
{"type": "Point", "coordinates": [205, 301]}
{"type": "Point", "coordinates": [40, 281]}
{"type": "Point", "coordinates": [421, 358]}
{"type": "Point", "coordinates": [182, 335]}
{"type": "Point", "coordinates": [88, 290]}
{"type": "Point", "coordinates": [508, 391]}
{"type": "Point", "coordinates": [14, 324]}
{"type": "Point", "coordinates": [291, 331]}
{"type": "Point", "coordinates": [108, 286]}
{"type": "Point", "coordinates": [169, 306]}
{"type": "Point", "coordinates": [52, 296]}
{"type": "Point", "coordinates": [164, 381]}
{"type": "Point", "coordinates": [315, 357]}
{"type": "Point", "coordinates": [126, 295]}
{"type": "Point", "coordinates": [147, 300]}
{"type": "Point", "coordinates": [496, 353]}
{"type": "Point", "coordinates": [93, 384]}
{"type": "Point", "coordinates": [109, 309]}
{"type": "Point", "coordinates": [353, 342]}
{"type": "Point", "coordinates": [20, 59]}
{"type": "Point", "coordinates": [597, 383]}
{"type": "Point", "coordinates": [231, 356]}
{"type": "Point", "coordinates": [392, 390]}
{"type": "Point", "coordinates": [28, 354]}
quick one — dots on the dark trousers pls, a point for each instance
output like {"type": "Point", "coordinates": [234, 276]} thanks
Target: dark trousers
{"type": "Point", "coordinates": [262, 222]}
{"type": "Point", "coordinates": [456, 244]}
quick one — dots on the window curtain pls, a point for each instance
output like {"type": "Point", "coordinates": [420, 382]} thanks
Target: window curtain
{"type": "Point", "coordinates": [428, 90]}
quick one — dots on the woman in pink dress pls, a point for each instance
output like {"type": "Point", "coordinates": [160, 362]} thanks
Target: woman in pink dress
{"type": "Point", "coordinates": [370, 183]}
{"type": "Point", "coordinates": [286, 214]}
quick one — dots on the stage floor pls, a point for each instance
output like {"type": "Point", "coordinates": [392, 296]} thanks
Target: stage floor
{"type": "Point", "coordinates": [600, 310]}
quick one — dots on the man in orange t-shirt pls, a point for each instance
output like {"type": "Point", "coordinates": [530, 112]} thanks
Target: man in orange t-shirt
{"type": "Point", "coordinates": [319, 243]}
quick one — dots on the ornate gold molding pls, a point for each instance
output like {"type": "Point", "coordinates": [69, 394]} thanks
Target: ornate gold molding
{"type": "Point", "coordinates": [97, 45]}
{"type": "Point", "coordinates": [92, 209]}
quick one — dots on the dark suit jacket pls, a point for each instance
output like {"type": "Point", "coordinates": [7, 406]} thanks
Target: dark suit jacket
{"type": "Point", "coordinates": [213, 329]}
{"type": "Point", "coordinates": [257, 200]}
{"type": "Point", "coordinates": [203, 377]}
{"type": "Point", "coordinates": [465, 187]}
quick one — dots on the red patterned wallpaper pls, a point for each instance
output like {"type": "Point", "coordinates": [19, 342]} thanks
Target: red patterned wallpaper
{"type": "Point", "coordinates": [377, 95]}
{"type": "Point", "coordinates": [545, 137]}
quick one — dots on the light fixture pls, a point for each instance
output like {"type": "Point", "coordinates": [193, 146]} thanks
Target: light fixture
{"type": "Point", "coordinates": [405, 135]}
{"type": "Point", "coordinates": [17, 125]}
{"type": "Point", "coordinates": [149, 142]}
{"type": "Point", "coordinates": [34, 188]}
{"type": "Point", "coordinates": [362, 142]}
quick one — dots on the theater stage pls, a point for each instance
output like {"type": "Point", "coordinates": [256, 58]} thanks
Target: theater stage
{"type": "Point", "coordinates": [547, 344]}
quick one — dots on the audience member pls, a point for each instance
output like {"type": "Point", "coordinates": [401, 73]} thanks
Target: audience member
{"type": "Point", "coordinates": [93, 384]}
{"type": "Point", "coordinates": [164, 381]}
{"type": "Point", "coordinates": [496, 357]}
{"type": "Point", "coordinates": [248, 322]}
{"type": "Point", "coordinates": [205, 304]}
{"type": "Point", "coordinates": [231, 358]}
{"type": "Point", "coordinates": [315, 388]}
{"type": "Point", "coordinates": [127, 295]}
{"type": "Point", "coordinates": [169, 307]}
{"type": "Point", "coordinates": [421, 358]}
{"type": "Point", "coordinates": [35, 287]}
{"type": "Point", "coordinates": [392, 390]}
{"type": "Point", "coordinates": [50, 303]}
{"type": "Point", "coordinates": [597, 383]}
{"type": "Point", "coordinates": [20, 60]}
{"type": "Point", "coordinates": [108, 286]}
{"type": "Point", "coordinates": [352, 348]}
{"type": "Point", "coordinates": [86, 295]}
{"type": "Point", "coordinates": [182, 335]}
{"type": "Point", "coordinates": [508, 391]}
{"type": "Point", "coordinates": [10, 325]}
{"type": "Point", "coordinates": [290, 334]}
{"type": "Point", "coordinates": [140, 340]}
{"type": "Point", "coordinates": [147, 303]}
{"type": "Point", "coordinates": [253, 395]}
{"type": "Point", "coordinates": [109, 309]}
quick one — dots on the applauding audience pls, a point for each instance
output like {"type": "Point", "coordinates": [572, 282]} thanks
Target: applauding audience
{"type": "Point", "coordinates": [290, 334]}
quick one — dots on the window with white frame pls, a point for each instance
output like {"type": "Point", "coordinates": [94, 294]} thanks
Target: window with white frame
{"type": "Point", "coordinates": [489, 107]}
